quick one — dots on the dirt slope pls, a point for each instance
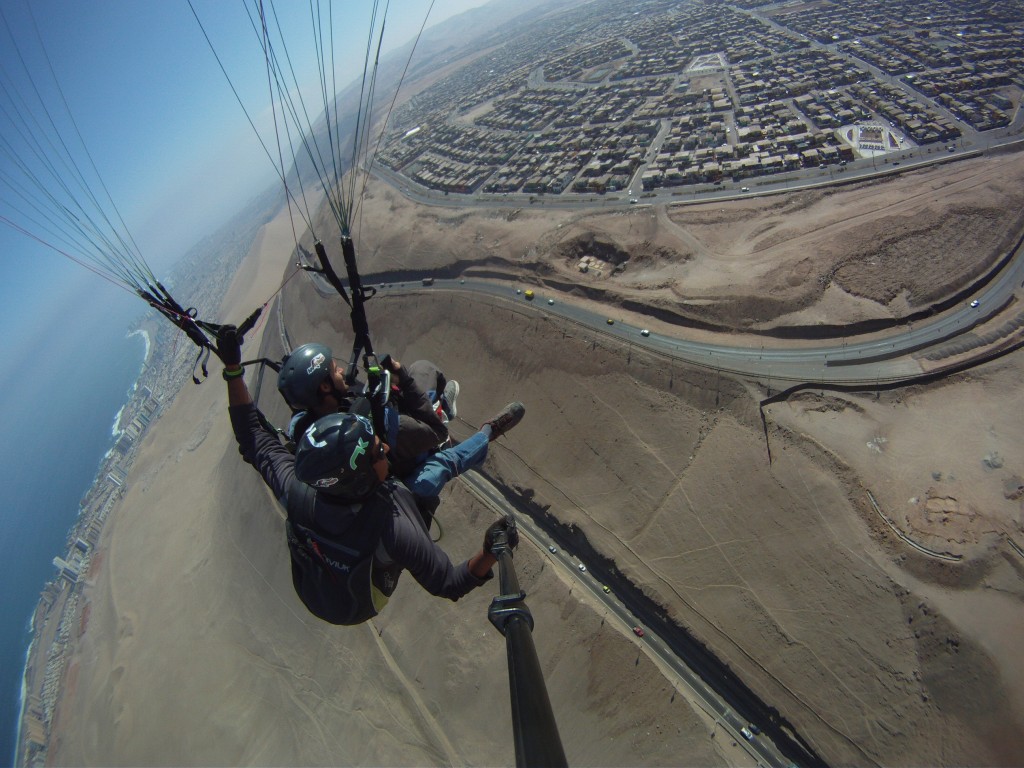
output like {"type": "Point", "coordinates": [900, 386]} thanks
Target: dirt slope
{"type": "Point", "coordinates": [198, 653]}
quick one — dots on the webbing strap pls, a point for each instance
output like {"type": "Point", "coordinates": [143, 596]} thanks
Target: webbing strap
{"type": "Point", "coordinates": [199, 332]}
{"type": "Point", "coordinates": [355, 297]}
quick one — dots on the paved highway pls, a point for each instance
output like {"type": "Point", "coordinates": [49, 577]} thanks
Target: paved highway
{"type": "Point", "coordinates": [870, 361]}
{"type": "Point", "coordinates": [758, 746]}
{"type": "Point", "coordinates": [880, 359]}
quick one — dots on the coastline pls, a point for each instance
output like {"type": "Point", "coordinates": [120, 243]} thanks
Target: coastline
{"type": "Point", "coordinates": [205, 274]}
{"type": "Point", "coordinates": [56, 619]}
{"type": "Point", "coordinates": [151, 511]}
{"type": "Point", "coordinates": [115, 430]}
{"type": "Point", "coordinates": [145, 340]}
{"type": "Point", "coordinates": [62, 610]}
{"type": "Point", "coordinates": [23, 696]}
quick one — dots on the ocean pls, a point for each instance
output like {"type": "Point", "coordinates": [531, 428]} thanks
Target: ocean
{"type": "Point", "coordinates": [59, 412]}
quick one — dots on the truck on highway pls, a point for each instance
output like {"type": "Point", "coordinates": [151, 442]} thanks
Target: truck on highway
{"type": "Point", "coordinates": [428, 281]}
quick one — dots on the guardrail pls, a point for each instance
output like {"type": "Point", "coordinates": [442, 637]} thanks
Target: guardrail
{"type": "Point", "coordinates": [907, 539]}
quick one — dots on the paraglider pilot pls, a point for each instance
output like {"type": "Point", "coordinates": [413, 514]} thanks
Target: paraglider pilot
{"type": "Point", "coordinates": [351, 527]}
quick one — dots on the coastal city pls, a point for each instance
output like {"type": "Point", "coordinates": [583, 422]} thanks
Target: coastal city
{"type": "Point", "coordinates": [62, 614]}
{"type": "Point", "coordinates": [684, 96]}
{"type": "Point", "coordinates": [657, 97]}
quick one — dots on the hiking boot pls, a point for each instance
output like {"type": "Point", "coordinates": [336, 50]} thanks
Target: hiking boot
{"type": "Point", "coordinates": [451, 394]}
{"type": "Point", "coordinates": [509, 416]}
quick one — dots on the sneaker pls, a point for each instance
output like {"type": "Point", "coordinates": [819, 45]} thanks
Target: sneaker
{"type": "Point", "coordinates": [509, 416]}
{"type": "Point", "coordinates": [451, 394]}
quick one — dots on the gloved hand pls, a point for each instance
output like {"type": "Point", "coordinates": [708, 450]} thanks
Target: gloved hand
{"type": "Point", "coordinates": [229, 345]}
{"type": "Point", "coordinates": [507, 526]}
{"type": "Point", "coordinates": [388, 363]}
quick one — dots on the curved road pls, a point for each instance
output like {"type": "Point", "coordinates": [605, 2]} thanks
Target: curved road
{"type": "Point", "coordinates": [866, 362]}
{"type": "Point", "coordinates": [759, 747]}
{"type": "Point", "coordinates": [880, 359]}
{"type": "Point", "coordinates": [870, 361]}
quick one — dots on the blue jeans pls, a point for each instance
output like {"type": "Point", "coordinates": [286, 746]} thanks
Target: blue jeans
{"type": "Point", "coordinates": [430, 477]}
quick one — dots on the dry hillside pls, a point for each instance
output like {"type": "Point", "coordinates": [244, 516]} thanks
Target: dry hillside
{"type": "Point", "coordinates": [655, 472]}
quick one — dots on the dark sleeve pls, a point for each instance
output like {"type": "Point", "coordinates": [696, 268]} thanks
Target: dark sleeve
{"type": "Point", "coordinates": [413, 402]}
{"type": "Point", "coordinates": [261, 447]}
{"type": "Point", "coordinates": [408, 542]}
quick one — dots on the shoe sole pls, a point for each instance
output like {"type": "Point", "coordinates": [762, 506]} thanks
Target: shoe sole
{"type": "Point", "coordinates": [451, 398]}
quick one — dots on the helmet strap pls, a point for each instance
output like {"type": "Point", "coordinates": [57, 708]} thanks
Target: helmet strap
{"type": "Point", "coordinates": [337, 394]}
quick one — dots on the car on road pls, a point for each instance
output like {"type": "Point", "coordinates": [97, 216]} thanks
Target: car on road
{"type": "Point", "coordinates": [754, 729]}
{"type": "Point", "coordinates": [744, 189]}
{"type": "Point", "coordinates": [529, 295]}
{"type": "Point", "coordinates": [632, 201]}
{"type": "Point", "coordinates": [747, 733]}
{"type": "Point", "coordinates": [518, 291]}
{"type": "Point", "coordinates": [645, 332]}
{"type": "Point", "coordinates": [582, 567]}
{"type": "Point", "coordinates": [974, 304]}
{"type": "Point", "coordinates": [610, 321]}
{"type": "Point", "coordinates": [638, 631]}
{"type": "Point", "coordinates": [606, 588]}
{"type": "Point", "coordinates": [551, 301]}
{"type": "Point", "coordinates": [553, 550]}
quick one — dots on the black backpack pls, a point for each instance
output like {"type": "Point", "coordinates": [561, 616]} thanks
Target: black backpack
{"type": "Point", "coordinates": [334, 572]}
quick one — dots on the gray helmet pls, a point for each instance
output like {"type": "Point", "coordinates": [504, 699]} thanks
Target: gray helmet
{"type": "Point", "coordinates": [336, 455]}
{"type": "Point", "coordinates": [302, 373]}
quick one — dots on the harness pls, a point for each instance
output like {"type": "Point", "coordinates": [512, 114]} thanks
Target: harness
{"type": "Point", "coordinates": [378, 379]}
{"type": "Point", "coordinates": [335, 574]}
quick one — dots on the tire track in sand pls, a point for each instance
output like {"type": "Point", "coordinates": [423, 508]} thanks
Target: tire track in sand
{"type": "Point", "coordinates": [429, 721]}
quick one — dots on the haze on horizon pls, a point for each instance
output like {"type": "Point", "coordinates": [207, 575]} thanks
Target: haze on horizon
{"type": "Point", "coordinates": [160, 123]}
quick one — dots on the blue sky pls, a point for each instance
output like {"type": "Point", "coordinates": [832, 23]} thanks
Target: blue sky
{"type": "Point", "coordinates": [158, 117]}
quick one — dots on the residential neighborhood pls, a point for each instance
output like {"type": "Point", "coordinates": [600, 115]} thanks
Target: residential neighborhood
{"type": "Point", "coordinates": [670, 95]}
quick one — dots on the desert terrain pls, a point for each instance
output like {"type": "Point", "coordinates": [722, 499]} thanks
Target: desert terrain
{"type": "Point", "coordinates": [657, 472]}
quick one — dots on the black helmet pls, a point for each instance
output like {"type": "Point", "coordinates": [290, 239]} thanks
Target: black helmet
{"type": "Point", "coordinates": [336, 455]}
{"type": "Point", "coordinates": [302, 373]}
